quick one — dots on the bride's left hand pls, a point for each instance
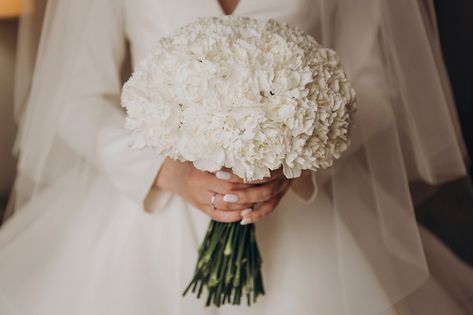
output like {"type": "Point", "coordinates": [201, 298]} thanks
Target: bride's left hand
{"type": "Point", "coordinates": [265, 193]}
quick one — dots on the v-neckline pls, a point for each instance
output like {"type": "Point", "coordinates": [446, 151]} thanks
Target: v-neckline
{"type": "Point", "coordinates": [235, 9]}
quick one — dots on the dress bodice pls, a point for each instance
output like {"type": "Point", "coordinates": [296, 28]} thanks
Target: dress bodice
{"type": "Point", "coordinates": [145, 26]}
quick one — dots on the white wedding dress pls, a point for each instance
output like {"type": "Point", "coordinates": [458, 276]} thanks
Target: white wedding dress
{"type": "Point", "coordinates": [100, 242]}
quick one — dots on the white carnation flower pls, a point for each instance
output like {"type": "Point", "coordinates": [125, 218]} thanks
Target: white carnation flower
{"type": "Point", "coordinates": [240, 93]}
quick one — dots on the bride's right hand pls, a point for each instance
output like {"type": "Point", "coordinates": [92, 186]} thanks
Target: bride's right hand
{"type": "Point", "coordinates": [197, 187]}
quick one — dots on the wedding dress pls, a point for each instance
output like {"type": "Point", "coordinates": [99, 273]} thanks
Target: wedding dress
{"type": "Point", "coordinates": [89, 236]}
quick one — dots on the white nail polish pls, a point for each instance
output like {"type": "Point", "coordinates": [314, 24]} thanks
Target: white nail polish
{"type": "Point", "coordinates": [230, 198]}
{"type": "Point", "coordinates": [245, 221]}
{"type": "Point", "coordinates": [245, 212]}
{"type": "Point", "coordinates": [223, 175]}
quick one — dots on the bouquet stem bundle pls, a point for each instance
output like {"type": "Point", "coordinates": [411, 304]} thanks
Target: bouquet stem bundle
{"type": "Point", "coordinates": [229, 265]}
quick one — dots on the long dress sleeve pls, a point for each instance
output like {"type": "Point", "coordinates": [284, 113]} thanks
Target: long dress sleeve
{"type": "Point", "coordinates": [92, 122]}
{"type": "Point", "coordinates": [355, 36]}
{"type": "Point", "coordinates": [357, 39]}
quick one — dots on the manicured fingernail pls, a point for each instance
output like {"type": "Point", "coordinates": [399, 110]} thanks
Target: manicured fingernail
{"type": "Point", "coordinates": [245, 221]}
{"type": "Point", "coordinates": [245, 212]}
{"type": "Point", "coordinates": [230, 198]}
{"type": "Point", "coordinates": [223, 175]}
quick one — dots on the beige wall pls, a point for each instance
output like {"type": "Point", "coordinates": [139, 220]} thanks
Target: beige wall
{"type": "Point", "coordinates": [8, 29]}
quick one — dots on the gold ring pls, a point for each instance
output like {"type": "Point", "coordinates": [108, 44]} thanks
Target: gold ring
{"type": "Point", "coordinates": [212, 201]}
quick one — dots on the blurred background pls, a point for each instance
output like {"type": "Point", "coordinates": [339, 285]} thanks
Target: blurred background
{"type": "Point", "coordinates": [447, 211]}
{"type": "Point", "coordinates": [9, 11]}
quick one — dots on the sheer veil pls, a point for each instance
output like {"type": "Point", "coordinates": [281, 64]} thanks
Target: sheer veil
{"type": "Point", "coordinates": [49, 37]}
{"type": "Point", "coordinates": [432, 145]}
{"type": "Point", "coordinates": [406, 131]}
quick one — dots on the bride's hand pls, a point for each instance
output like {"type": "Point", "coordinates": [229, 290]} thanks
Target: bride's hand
{"type": "Point", "coordinates": [266, 193]}
{"type": "Point", "coordinates": [234, 199]}
{"type": "Point", "coordinates": [198, 188]}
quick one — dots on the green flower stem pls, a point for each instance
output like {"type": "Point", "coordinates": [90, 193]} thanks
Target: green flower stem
{"type": "Point", "coordinates": [229, 265]}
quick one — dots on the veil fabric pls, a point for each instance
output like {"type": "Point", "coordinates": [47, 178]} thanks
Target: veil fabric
{"type": "Point", "coordinates": [405, 130]}
{"type": "Point", "coordinates": [432, 145]}
{"type": "Point", "coordinates": [47, 45]}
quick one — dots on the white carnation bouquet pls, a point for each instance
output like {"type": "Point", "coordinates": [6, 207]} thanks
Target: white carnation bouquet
{"type": "Point", "coordinates": [244, 94]}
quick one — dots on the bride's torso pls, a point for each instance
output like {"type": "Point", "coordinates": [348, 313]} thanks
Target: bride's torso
{"type": "Point", "coordinates": [148, 20]}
